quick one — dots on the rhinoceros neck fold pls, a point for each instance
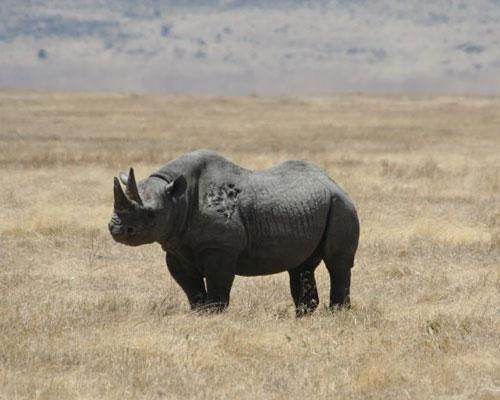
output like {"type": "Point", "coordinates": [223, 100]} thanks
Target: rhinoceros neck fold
{"type": "Point", "coordinates": [163, 176]}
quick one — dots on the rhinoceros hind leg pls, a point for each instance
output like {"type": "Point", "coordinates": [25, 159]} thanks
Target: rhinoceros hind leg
{"type": "Point", "coordinates": [339, 267]}
{"type": "Point", "coordinates": [303, 287]}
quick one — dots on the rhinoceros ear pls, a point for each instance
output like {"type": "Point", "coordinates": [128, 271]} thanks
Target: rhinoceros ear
{"type": "Point", "coordinates": [177, 187]}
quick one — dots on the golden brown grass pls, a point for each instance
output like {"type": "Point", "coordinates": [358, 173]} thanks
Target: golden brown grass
{"type": "Point", "coordinates": [83, 317]}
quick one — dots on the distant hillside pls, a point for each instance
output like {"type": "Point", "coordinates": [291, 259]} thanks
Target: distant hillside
{"type": "Point", "coordinates": [237, 47]}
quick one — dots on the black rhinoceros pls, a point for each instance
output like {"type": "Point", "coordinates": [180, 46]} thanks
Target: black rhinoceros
{"type": "Point", "coordinates": [216, 220]}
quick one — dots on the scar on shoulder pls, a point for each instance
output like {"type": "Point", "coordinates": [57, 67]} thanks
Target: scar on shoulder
{"type": "Point", "coordinates": [223, 198]}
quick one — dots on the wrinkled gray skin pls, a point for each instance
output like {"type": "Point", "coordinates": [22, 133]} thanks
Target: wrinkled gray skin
{"type": "Point", "coordinates": [216, 220]}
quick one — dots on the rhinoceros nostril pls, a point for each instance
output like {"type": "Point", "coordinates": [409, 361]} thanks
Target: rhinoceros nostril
{"type": "Point", "coordinates": [130, 231]}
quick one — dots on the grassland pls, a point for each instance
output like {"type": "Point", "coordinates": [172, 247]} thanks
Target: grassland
{"type": "Point", "coordinates": [84, 318]}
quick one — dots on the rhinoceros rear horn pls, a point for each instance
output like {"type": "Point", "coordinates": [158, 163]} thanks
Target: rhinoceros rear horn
{"type": "Point", "coordinates": [131, 189]}
{"type": "Point", "coordinates": [121, 201]}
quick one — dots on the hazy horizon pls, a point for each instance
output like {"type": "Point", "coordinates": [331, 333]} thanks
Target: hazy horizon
{"type": "Point", "coordinates": [246, 46]}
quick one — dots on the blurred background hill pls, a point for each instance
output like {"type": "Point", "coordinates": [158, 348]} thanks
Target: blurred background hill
{"type": "Point", "coordinates": [238, 47]}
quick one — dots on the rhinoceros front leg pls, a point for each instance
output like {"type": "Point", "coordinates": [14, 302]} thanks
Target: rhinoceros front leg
{"type": "Point", "coordinates": [218, 269]}
{"type": "Point", "coordinates": [191, 283]}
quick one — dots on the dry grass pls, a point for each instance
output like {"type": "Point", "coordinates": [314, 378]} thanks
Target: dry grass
{"type": "Point", "coordinates": [83, 317]}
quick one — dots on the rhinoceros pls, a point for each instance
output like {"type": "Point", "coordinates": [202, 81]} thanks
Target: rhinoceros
{"type": "Point", "coordinates": [215, 219]}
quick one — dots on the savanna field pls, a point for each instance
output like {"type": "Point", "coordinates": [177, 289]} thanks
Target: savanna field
{"type": "Point", "coordinates": [82, 317]}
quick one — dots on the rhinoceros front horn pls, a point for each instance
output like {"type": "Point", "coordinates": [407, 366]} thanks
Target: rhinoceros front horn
{"type": "Point", "coordinates": [131, 188]}
{"type": "Point", "coordinates": [121, 201]}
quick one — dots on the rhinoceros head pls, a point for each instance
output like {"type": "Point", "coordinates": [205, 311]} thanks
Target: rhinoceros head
{"type": "Point", "coordinates": [142, 214]}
